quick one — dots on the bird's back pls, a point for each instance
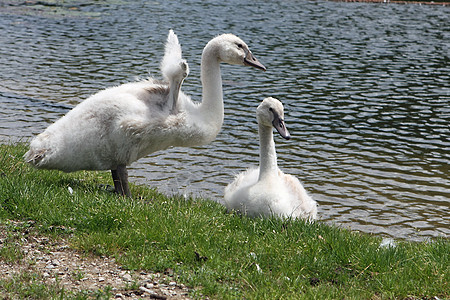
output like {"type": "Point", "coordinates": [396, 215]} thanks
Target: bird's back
{"type": "Point", "coordinates": [96, 134]}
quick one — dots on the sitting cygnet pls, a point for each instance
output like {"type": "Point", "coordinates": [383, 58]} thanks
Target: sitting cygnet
{"type": "Point", "coordinates": [267, 191]}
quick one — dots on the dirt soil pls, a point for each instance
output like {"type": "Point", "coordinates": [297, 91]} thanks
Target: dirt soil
{"type": "Point", "coordinates": [56, 263]}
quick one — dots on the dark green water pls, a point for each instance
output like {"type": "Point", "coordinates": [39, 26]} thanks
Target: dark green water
{"type": "Point", "coordinates": [366, 89]}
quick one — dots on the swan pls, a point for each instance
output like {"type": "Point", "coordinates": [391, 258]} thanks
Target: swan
{"type": "Point", "coordinates": [266, 191]}
{"type": "Point", "coordinates": [118, 125]}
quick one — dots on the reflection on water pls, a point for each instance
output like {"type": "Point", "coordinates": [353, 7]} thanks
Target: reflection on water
{"type": "Point", "coordinates": [366, 89]}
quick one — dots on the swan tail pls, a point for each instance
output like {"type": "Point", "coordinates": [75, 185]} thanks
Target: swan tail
{"type": "Point", "coordinates": [39, 151]}
{"type": "Point", "coordinates": [35, 157]}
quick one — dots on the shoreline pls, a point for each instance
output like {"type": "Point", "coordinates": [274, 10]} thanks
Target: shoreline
{"type": "Point", "coordinates": [397, 2]}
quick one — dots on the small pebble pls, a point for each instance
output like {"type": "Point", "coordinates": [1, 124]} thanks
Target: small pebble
{"type": "Point", "coordinates": [127, 277]}
{"type": "Point", "coordinates": [146, 290]}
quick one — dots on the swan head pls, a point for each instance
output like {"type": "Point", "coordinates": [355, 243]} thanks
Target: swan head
{"type": "Point", "coordinates": [234, 51]}
{"type": "Point", "coordinates": [271, 113]}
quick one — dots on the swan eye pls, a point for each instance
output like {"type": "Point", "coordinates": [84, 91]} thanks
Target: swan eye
{"type": "Point", "coordinates": [240, 46]}
{"type": "Point", "coordinates": [271, 109]}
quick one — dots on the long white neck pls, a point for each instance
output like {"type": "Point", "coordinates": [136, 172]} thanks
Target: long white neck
{"type": "Point", "coordinates": [211, 108]}
{"type": "Point", "coordinates": [267, 154]}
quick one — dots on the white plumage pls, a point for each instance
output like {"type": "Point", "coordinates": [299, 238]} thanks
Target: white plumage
{"type": "Point", "coordinates": [174, 69]}
{"type": "Point", "coordinates": [119, 125]}
{"type": "Point", "coordinates": [266, 191]}
{"type": "Point", "coordinates": [172, 56]}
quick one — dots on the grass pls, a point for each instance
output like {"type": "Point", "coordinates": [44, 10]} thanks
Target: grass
{"type": "Point", "coordinates": [220, 255]}
{"type": "Point", "coordinates": [30, 286]}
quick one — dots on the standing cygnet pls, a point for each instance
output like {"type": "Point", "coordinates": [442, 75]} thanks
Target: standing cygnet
{"type": "Point", "coordinates": [119, 125]}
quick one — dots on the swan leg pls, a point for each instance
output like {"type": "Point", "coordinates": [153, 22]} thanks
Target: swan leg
{"type": "Point", "coordinates": [120, 179]}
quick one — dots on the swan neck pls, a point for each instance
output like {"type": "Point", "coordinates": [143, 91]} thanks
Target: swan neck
{"type": "Point", "coordinates": [267, 153]}
{"type": "Point", "coordinates": [212, 95]}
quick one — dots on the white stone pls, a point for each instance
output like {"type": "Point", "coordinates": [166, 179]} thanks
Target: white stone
{"type": "Point", "coordinates": [149, 285]}
{"type": "Point", "coordinates": [127, 277]}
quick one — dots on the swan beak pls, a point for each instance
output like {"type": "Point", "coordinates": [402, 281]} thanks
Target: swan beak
{"type": "Point", "coordinates": [250, 60]}
{"type": "Point", "coordinates": [279, 125]}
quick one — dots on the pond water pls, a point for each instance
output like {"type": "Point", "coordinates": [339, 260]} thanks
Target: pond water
{"type": "Point", "coordinates": [366, 89]}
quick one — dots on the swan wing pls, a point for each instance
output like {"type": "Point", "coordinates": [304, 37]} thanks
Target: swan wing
{"type": "Point", "coordinates": [304, 206]}
{"type": "Point", "coordinates": [174, 69]}
{"type": "Point", "coordinates": [172, 56]}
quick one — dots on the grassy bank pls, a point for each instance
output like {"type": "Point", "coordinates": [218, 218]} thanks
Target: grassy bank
{"type": "Point", "coordinates": [220, 255]}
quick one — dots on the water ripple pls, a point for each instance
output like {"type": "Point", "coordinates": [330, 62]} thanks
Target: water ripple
{"type": "Point", "coordinates": [365, 88]}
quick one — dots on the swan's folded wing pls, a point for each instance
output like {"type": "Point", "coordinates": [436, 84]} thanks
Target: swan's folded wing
{"type": "Point", "coordinates": [306, 207]}
{"type": "Point", "coordinates": [135, 127]}
{"type": "Point", "coordinates": [159, 126]}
